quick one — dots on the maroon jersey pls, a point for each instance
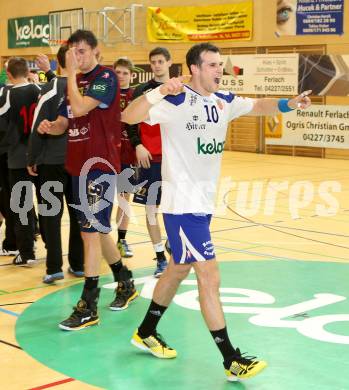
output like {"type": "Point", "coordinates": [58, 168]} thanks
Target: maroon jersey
{"type": "Point", "coordinates": [128, 154]}
{"type": "Point", "coordinates": [96, 135]}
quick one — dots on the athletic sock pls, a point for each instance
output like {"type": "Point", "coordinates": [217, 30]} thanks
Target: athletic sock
{"type": "Point", "coordinates": [159, 251]}
{"type": "Point", "coordinates": [116, 268]}
{"type": "Point", "coordinates": [91, 282]}
{"type": "Point", "coordinates": [222, 341]}
{"type": "Point", "coordinates": [151, 319]}
{"type": "Point", "coordinates": [121, 234]}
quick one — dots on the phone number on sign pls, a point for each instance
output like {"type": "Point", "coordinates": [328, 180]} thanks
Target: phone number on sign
{"type": "Point", "coordinates": [324, 138]}
{"type": "Point", "coordinates": [279, 88]}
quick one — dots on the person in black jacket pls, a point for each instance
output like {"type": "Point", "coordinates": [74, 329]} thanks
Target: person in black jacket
{"type": "Point", "coordinates": [46, 157]}
{"type": "Point", "coordinates": [17, 106]}
{"type": "Point", "coordinates": [9, 247]}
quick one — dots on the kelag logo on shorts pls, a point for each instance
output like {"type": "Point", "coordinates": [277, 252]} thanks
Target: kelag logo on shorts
{"type": "Point", "coordinates": [210, 147]}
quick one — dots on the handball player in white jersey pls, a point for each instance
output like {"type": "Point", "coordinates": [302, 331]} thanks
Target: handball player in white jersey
{"type": "Point", "coordinates": [194, 118]}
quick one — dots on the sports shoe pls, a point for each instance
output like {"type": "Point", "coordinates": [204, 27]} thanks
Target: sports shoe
{"type": "Point", "coordinates": [5, 252]}
{"type": "Point", "coordinates": [85, 312]}
{"type": "Point", "coordinates": [19, 262]}
{"type": "Point", "coordinates": [161, 265]}
{"type": "Point", "coordinates": [78, 274]}
{"type": "Point", "coordinates": [243, 367]}
{"type": "Point", "coordinates": [125, 294]}
{"type": "Point", "coordinates": [153, 344]}
{"type": "Point", "coordinates": [124, 249]}
{"type": "Point", "coordinates": [49, 279]}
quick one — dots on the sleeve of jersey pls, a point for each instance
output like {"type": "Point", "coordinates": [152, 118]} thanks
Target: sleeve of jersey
{"type": "Point", "coordinates": [239, 106]}
{"type": "Point", "coordinates": [162, 112]}
{"type": "Point", "coordinates": [104, 88]}
{"type": "Point", "coordinates": [63, 109]}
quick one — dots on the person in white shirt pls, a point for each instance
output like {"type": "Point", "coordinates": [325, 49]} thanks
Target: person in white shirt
{"type": "Point", "coordinates": [193, 120]}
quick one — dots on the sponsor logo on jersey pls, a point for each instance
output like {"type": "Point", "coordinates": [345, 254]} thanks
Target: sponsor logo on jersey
{"type": "Point", "coordinates": [195, 126]}
{"type": "Point", "coordinates": [213, 147]}
{"type": "Point", "coordinates": [193, 99]}
{"type": "Point", "coordinates": [74, 132]}
{"type": "Point", "coordinates": [100, 88]}
{"type": "Point", "coordinates": [105, 75]}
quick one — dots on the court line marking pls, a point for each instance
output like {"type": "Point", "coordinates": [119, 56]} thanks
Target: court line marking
{"type": "Point", "coordinates": [12, 313]}
{"type": "Point", "coordinates": [53, 384]}
{"type": "Point", "coordinates": [10, 344]}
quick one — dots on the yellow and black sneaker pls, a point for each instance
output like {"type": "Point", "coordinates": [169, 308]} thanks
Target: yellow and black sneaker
{"type": "Point", "coordinates": [153, 344]}
{"type": "Point", "coordinates": [243, 367]}
{"type": "Point", "coordinates": [125, 294]}
{"type": "Point", "coordinates": [85, 312]}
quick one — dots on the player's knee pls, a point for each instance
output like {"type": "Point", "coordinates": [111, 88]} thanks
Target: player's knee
{"type": "Point", "coordinates": [181, 272]}
{"type": "Point", "coordinates": [209, 279]}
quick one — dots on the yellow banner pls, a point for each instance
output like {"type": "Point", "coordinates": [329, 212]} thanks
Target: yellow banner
{"type": "Point", "coordinates": [194, 24]}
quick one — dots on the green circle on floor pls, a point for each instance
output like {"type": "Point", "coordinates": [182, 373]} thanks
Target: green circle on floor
{"type": "Point", "coordinates": [294, 315]}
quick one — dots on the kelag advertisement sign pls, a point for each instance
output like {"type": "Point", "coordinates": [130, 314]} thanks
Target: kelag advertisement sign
{"type": "Point", "coordinates": [309, 17]}
{"type": "Point", "coordinates": [31, 31]}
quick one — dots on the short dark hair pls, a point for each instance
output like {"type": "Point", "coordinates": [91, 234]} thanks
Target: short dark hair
{"type": "Point", "coordinates": [193, 56]}
{"type": "Point", "coordinates": [125, 62]}
{"type": "Point", "coordinates": [18, 67]}
{"type": "Point", "coordinates": [160, 51]}
{"type": "Point", "coordinates": [61, 55]}
{"type": "Point", "coordinates": [83, 35]}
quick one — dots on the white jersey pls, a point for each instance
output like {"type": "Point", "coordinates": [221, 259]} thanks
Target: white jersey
{"type": "Point", "coordinates": [193, 131]}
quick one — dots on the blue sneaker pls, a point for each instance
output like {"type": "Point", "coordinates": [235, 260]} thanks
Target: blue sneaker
{"type": "Point", "coordinates": [49, 279]}
{"type": "Point", "coordinates": [160, 267]}
{"type": "Point", "coordinates": [78, 274]}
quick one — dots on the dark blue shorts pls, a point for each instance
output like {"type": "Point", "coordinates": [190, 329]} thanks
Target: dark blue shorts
{"type": "Point", "coordinates": [93, 197]}
{"type": "Point", "coordinates": [189, 237]}
{"type": "Point", "coordinates": [150, 192]}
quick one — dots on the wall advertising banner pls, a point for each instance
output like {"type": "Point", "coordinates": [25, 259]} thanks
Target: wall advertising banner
{"type": "Point", "coordinates": [143, 73]}
{"type": "Point", "coordinates": [192, 24]}
{"type": "Point", "coordinates": [261, 74]}
{"type": "Point", "coordinates": [318, 126]}
{"type": "Point", "coordinates": [31, 31]}
{"type": "Point", "coordinates": [286, 74]}
{"type": "Point", "coordinates": [309, 17]}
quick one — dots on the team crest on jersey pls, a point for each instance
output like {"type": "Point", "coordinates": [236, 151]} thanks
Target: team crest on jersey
{"type": "Point", "coordinates": [105, 75]}
{"type": "Point", "coordinates": [220, 104]}
{"type": "Point", "coordinates": [122, 103]}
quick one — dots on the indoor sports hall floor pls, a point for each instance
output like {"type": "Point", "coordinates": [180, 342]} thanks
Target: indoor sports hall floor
{"type": "Point", "coordinates": [285, 287]}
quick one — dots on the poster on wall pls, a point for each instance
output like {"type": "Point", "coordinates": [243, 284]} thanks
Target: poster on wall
{"type": "Point", "coordinates": [325, 75]}
{"type": "Point", "coordinates": [264, 74]}
{"type": "Point", "coordinates": [143, 73]}
{"type": "Point", "coordinates": [219, 22]}
{"type": "Point", "coordinates": [319, 126]}
{"type": "Point", "coordinates": [286, 74]}
{"type": "Point", "coordinates": [309, 17]}
{"type": "Point", "coordinates": [31, 31]}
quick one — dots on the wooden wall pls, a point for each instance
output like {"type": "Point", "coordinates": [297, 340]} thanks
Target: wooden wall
{"type": "Point", "coordinates": [244, 134]}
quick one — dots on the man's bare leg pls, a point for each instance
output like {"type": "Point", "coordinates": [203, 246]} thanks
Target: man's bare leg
{"type": "Point", "coordinates": [122, 220]}
{"type": "Point", "coordinates": [155, 236]}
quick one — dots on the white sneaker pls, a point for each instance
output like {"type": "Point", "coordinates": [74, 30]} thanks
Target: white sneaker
{"type": "Point", "coordinates": [19, 262]}
{"type": "Point", "coordinates": [4, 252]}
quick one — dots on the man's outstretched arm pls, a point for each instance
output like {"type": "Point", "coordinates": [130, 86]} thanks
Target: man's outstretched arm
{"type": "Point", "coordinates": [272, 106]}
